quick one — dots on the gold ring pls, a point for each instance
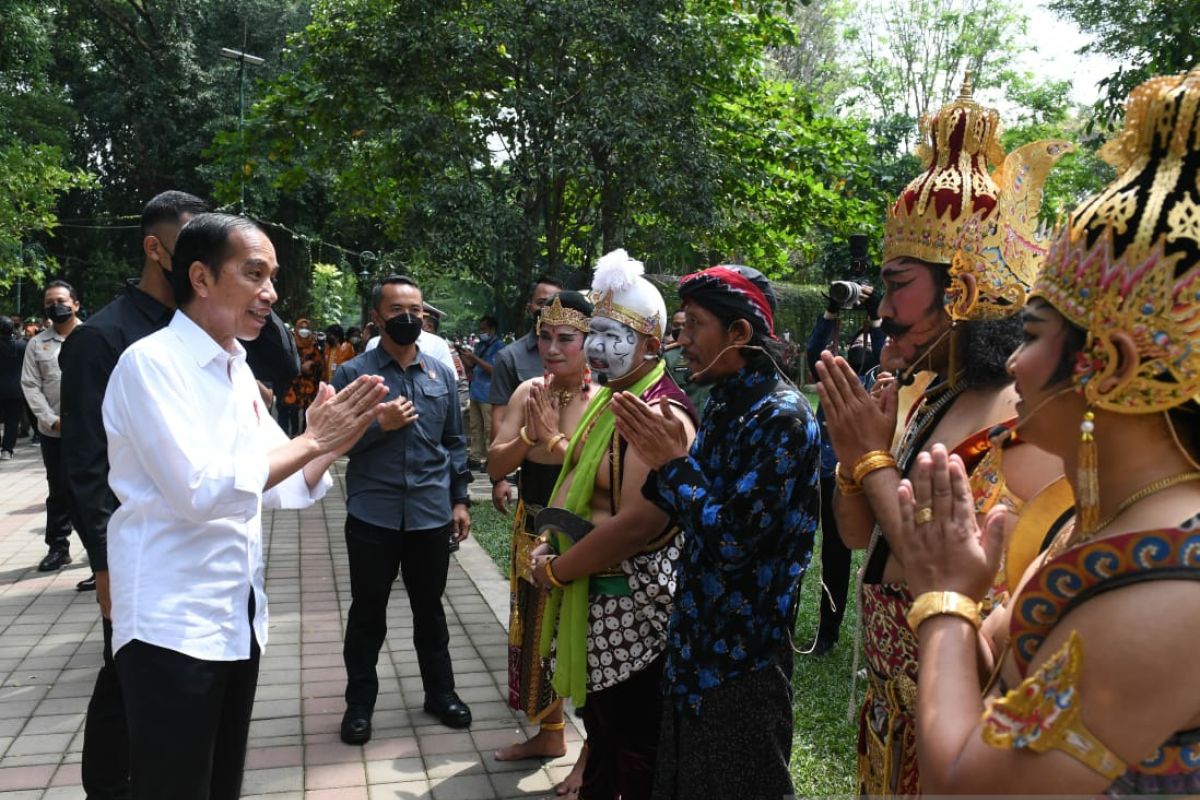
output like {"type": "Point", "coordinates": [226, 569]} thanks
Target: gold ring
{"type": "Point", "coordinates": [923, 515]}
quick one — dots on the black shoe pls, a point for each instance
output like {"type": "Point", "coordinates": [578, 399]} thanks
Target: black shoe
{"type": "Point", "coordinates": [55, 559]}
{"type": "Point", "coordinates": [356, 725]}
{"type": "Point", "coordinates": [447, 707]}
{"type": "Point", "coordinates": [822, 646]}
{"type": "Point", "coordinates": [87, 584]}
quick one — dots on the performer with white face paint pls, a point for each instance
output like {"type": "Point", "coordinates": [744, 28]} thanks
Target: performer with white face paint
{"type": "Point", "coordinates": [612, 578]}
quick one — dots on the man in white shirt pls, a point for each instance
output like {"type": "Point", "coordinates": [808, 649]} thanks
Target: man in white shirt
{"type": "Point", "coordinates": [194, 457]}
{"type": "Point", "coordinates": [41, 382]}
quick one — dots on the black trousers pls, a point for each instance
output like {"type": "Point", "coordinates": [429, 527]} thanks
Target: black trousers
{"type": "Point", "coordinates": [58, 501]}
{"type": "Point", "coordinates": [10, 417]}
{"type": "Point", "coordinates": [622, 724]}
{"type": "Point", "coordinates": [189, 720]}
{"type": "Point", "coordinates": [422, 558]}
{"type": "Point", "coordinates": [738, 746]}
{"type": "Point", "coordinates": [105, 766]}
{"type": "Point", "coordinates": [835, 567]}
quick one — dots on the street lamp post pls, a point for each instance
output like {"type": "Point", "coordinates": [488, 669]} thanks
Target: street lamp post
{"type": "Point", "coordinates": [365, 259]}
{"type": "Point", "coordinates": [243, 59]}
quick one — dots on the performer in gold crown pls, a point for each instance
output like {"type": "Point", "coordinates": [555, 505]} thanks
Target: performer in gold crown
{"type": "Point", "coordinates": [1095, 693]}
{"type": "Point", "coordinates": [960, 251]}
{"type": "Point", "coordinates": [537, 424]}
{"type": "Point", "coordinates": [612, 587]}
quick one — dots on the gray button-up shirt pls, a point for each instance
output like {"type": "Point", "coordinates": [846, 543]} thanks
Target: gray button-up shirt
{"type": "Point", "coordinates": [516, 363]}
{"type": "Point", "coordinates": [408, 479]}
{"type": "Point", "coordinates": [41, 379]}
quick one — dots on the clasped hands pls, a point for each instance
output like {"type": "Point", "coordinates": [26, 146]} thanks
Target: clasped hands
{"type": "Point", "coordinates": [336, 420]}
{"type": "Point", "coordinates": [858, 421]}
{"type": "Point", "coordinates": [941, 544]}
{"type": "Point", "coordinates": [657, 436]}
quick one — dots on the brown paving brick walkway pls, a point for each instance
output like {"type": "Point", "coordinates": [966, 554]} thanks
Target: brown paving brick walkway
{"type": "Point", "coordinates": [50, 644]}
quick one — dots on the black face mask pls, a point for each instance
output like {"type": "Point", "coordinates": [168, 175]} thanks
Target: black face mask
{"type": "Point", "coordinates": [675, 332]}
{"type": "Point", "coordinates": [403, 329]}
{"type": "Point", "coordinates": [59, 313]}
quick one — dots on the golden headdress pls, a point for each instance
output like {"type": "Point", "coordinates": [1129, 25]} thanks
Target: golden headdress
{"type": "Point", "coordinates": [575, 315]}
{"type": "Point", "coordinates": [622, 294]}
{"type": "Point", "coordinates": [1128, 260]}
{"type": "Point", "coordinates": [979, 223]}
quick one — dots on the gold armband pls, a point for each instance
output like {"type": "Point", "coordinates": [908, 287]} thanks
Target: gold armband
{"type": "Point", "coordinates": [525, 437]}
{"type": "Point", "coordinates": [932, 604]}
{"type": "Point", "coordinates": [1044, 713]}
{"type": "Point", "coordinates": [871, 461]}
{"type": "Point", "coordinates": [846, 486]}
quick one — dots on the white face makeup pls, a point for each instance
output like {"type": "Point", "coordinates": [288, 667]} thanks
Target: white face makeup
{"type": "Point", "coordinates": [611, 348]}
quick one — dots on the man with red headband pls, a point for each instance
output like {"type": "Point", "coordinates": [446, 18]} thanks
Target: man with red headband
{"type": "Point", "coordinates": [747, 494]}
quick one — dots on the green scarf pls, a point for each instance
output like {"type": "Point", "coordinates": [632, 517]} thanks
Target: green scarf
{"type": "Point", "coordinates": [571, 604]}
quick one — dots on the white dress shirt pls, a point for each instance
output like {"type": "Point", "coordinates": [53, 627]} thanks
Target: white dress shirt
{"type": "Point", "coordinates": [188, 438]}
{"type": "Point", "coordinates": [431, 345]}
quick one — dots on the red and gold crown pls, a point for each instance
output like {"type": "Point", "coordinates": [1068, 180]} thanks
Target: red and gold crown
{"type": "Point", "coordinates": [959, 213]}
{"type": "Point", "coordinates": [958, 142]}
{"type": "Point", "coordinates": [1127, 261]}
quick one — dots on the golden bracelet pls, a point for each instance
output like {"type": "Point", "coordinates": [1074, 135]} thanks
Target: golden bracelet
{"type": "Point", "coordinates": [933, 604]}
{"type": "Point", "coordinates": [549, 571]}
{"type": "Point", "coordinates": [845, 486]}
{"type": "Point", "coordinates": [553, 441]}
{"type": "Point", "coordinates": [870, 462]}
{"type": "Point", "coordinates": [553, 726]}
{"type": "Point", "coordinates": [525, 437]}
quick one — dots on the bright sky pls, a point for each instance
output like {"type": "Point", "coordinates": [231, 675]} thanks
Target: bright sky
{"type": "Point", "coordinates": [1054, 44]}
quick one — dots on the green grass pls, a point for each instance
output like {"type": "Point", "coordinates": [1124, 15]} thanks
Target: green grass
{"type": "Point", "coordinates": [823, 749]}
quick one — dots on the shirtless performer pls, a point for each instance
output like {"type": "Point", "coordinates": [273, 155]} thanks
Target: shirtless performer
{"type": "Point", "coordinates": [613, 587]}
{"type": "Point", "coordinates": [956, 318]}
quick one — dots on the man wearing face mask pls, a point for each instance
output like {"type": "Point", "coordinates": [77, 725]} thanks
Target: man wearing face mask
{"type": "Point", "coordinates": [41, 381]}
{"type": "Point", "coordinates": [613, 586]}
{"type": "Point", "coordinates": [406, 497]}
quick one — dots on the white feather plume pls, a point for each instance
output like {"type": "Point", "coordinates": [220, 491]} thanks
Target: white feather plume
{"type": "Point", "coordinates": [616, 272]}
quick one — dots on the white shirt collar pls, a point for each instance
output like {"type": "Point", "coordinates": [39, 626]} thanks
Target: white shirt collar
{"type": "Point", "coordinates": [202, 347]}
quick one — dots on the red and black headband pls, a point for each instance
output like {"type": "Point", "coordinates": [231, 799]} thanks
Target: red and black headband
{"type": "Point", "coordinates": [733, 291]}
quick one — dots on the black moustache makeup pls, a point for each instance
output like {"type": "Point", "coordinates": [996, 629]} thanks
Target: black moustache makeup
{"type": "Point", "coordinates": [893, 328]}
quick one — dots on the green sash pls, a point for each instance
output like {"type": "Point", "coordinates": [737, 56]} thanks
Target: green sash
{"type": "Point", "coordinates": [571, 604]}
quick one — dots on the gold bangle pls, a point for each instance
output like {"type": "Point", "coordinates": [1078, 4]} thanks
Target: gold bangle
{"type": "Point", "coordinates": [553, 441]}
{"type": "Point", "coordinates": [870, 462]}
{"type": "Point", "coordinates": [845, 486]}
{"type": "Point", "coordinates": [525, 437]}
{"type": "Point", "coordinates": [933, 604]}
{"type": "Point", "coordinates": [553, 726]}
{"type": "Point", "coordinates": [549, 570]}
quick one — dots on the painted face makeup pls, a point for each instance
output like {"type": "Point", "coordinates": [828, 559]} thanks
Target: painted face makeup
{"type": "Point", "coordinates": [611, 347]}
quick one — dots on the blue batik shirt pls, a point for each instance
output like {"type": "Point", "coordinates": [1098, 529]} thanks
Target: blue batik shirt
{"type": "Point", "coordinates": [748, 498]}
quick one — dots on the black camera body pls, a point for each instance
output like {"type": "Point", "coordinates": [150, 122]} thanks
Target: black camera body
{"type": "Point", "coordinates": [847, 293]}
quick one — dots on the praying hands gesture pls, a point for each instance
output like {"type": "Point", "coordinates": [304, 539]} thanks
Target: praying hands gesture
{"type": "Point", "coordinates": [541, 415]}
{"type": "Point", "coordinates": [658, 435]}
{"type": "Point", "coordinates": [336, 420]}
{"type": "Point", "coordinates": [941, 544]}
{"type": "Point", "coordinates": [857, 421]}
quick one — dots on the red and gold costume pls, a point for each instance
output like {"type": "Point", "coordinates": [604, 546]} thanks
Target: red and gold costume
{"type": "Point", "coordinates": [983, 224]}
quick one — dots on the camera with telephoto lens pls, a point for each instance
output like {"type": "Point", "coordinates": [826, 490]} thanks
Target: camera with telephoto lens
{"type": "Point", "coordinates": [848, 293]}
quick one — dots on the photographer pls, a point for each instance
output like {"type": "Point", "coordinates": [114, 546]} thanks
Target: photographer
{"type": "Point", "coordinates": [863, 355]}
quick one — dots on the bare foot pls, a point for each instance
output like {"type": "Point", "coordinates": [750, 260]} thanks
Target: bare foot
{"type": "Point", "coordinates": [543, 744]}
{"type": "Point", "coordinates": [571, 785]}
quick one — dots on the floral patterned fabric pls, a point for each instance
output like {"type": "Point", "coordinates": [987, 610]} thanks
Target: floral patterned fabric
{"type": "Point", "coordinates": [748, 498]}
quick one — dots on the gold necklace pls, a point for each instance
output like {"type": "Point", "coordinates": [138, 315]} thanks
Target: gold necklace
{"type": "Point", "coordinates": [563, 396]}
{"type": "Point", "coordinates": [1141, 494]}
